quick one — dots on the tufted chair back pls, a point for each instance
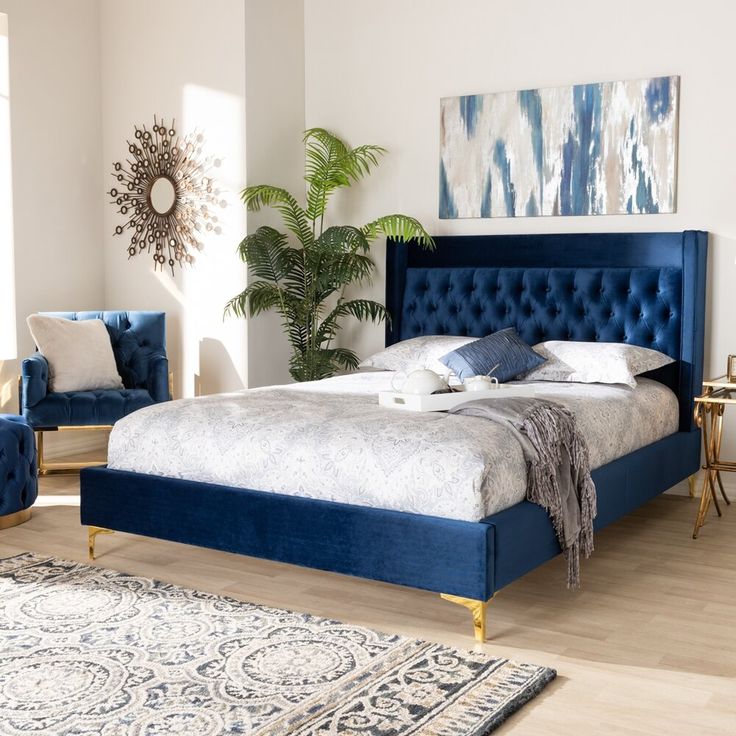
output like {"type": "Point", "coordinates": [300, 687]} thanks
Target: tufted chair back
{"type": "Point", "coordinates": [136, 337]}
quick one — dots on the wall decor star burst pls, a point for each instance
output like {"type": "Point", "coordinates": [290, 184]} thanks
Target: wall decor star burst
{"type": "Point", "coordinates": [166, 194]}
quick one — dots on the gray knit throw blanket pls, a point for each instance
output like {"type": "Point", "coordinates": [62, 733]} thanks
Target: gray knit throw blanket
{"type": "Point", "coordinates": [558, 469]}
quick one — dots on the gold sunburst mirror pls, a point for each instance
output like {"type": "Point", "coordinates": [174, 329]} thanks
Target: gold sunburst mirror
{"type": "Point", "coordinates": [165, 192]}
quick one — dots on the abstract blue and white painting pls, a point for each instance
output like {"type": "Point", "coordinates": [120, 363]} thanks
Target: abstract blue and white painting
{"type": "Point", "coordinates": [587, 149]}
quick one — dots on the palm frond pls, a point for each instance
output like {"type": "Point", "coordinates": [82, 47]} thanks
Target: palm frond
{"type": "Point", "coordinates": [321, 363]}
{"type": "Point", "coordinates": [338, 258]}
{"type": "Point", "coordinates": [401, 228]}
{"type": "Point", "coordinates": [361, 160]}
{"type": "Point", "coordinates": [306, 284]}
{"type": "Point", "coordinates": [343, 238]}
{"type": "Point", "coordinates": [363, 310]}
{"type": "Point", "coordinates": [344, 269]}
{"type": "Point", "coordinates": [343, 357]}
{"type": "Point", "coordinates": [260, 296]}
{"type": "Point", "coordinates": [322, 149]}
{"type": "Point", "coordinates": [266, 252]}
{"type": "Point", "coordinates": [295, 219]}
{"type": "Point", "coordinates": [297, 279]}
{"type": "Point", "coordinates": [330, 164]}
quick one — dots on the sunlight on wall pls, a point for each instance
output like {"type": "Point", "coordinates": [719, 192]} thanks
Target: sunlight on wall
{"type": "Point", "coordinates": [7, 269]}
{"type": "Point", "coordinates": [214, 350]}
{"type": "Point", "coordinates": [6, 386]}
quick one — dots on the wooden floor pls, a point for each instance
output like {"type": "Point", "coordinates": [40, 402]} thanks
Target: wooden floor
{"type": "Point", "coordinates": [648, 646]}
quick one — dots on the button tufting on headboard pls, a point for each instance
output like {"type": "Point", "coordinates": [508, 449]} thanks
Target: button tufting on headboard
{"type": "Point", "coordinates": [543, 304]}
{"type": "Point", "coordinates": [640, 288]}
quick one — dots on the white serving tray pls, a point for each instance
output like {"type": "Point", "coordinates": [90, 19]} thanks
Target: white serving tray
{"type": "Point", "coordinates": [444, 402]}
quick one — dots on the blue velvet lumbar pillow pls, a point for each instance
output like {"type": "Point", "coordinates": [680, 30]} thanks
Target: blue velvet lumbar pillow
{"type": "Point", "coordinates": [504, 349]}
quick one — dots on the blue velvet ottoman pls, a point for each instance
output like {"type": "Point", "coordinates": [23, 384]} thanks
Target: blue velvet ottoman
{"type": "Point", "coordinates": [18, 473]}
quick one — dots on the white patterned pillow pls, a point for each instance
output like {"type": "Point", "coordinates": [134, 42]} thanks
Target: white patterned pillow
{"type": "Point", "coordinates": [416, 353]}
{"type": "Point", "coordinates": [595, 362]}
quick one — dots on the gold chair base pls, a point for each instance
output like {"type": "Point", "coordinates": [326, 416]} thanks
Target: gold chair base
{"type": "Point", "coordinates": [18, 517]}
{"type": "Point", "coordinates": [92, 533]}
{"type": "Point", "coordinates": [45, 468]}
{"type": "Point", "coordinates": [476, 608]}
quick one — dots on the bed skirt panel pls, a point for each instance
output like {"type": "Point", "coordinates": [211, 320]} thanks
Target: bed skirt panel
{"type": "Point", "coordinates": [441, 555]}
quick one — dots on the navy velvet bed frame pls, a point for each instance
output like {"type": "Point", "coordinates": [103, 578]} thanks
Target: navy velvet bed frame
{"type": "Point", "coordinates": [641, 288]}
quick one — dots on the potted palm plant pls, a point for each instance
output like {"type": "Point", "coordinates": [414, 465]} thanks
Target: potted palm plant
{"type": "Point", "coordinates": [305, 283]}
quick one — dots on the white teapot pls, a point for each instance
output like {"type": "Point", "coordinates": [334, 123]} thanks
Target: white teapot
{"type": "Point", "coordinates": [480, 383]}
{"type": "Point", "coordinates": [423, 381]}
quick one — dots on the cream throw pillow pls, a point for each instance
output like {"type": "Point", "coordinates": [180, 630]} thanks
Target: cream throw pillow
{"type": "Point", "coordinates": [79, 353]}
{"type": "Point", "coordinates": [595, 362]}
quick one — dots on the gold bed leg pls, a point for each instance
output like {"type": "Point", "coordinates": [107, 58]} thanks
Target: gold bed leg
{"type": "Point", "coordinates": [691, 481]}
{"type": "Point", "coordinates": [477, 608]}
{"type": "Point", "coordinates": [92, 533]}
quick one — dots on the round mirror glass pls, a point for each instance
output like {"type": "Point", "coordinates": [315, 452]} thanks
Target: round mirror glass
{"type": "Point", "coordinates": [162, 195]}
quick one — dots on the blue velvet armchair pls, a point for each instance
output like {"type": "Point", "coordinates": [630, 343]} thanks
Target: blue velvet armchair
{"type": "Point", "coordinates": [139, 345]}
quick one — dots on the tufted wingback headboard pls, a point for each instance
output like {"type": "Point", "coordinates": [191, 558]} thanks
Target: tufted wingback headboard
{"type": "Point", "coordinates": [646, 289]}
{"type": "Point", "coordinates": [136, 338]}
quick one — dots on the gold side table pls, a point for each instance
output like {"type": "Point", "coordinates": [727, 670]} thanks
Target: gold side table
{"type": "Point", "coordinates": [709, 408]}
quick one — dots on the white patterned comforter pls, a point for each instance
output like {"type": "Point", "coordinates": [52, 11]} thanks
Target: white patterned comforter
{"type": "Point", "coordinates": [330, 440]}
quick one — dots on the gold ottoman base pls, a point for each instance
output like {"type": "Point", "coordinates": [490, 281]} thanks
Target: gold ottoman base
{"type": "Point", "coordinates": [19, 517]}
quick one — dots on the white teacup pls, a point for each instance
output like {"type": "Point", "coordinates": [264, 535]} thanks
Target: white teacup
{"type": "Point", "coordinates": [480, 383]}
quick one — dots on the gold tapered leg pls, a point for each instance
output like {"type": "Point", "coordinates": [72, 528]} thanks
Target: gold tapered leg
{"type": "Point", "coordinates": [691, 481]}
{"type": "Point", "coordinates": [477, 608]}
{"type": "Point", "coordinates": [719, 439]}
{"type": "Point", "coordinates": [710, 448]}
{"type": "Point", "coordinates": [92, 533]}
{"type": "Point", "coordinates": [39, 454]}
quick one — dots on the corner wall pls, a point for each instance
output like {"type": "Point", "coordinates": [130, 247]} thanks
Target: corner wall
{"type": "Point", "coordinates": [77, 90]}
{"type": "Point", "coordinates": [197, 60]}
{"type": "Point", "coordinates": [182, 59]}
{"type": "Point", "coordinates": [274, 153]}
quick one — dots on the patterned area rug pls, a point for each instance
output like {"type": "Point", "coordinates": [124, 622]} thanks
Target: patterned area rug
{"type": "Point", "coordinates": [84, 650]}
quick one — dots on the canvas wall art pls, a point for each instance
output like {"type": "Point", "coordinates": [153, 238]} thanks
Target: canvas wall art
{"type": "Point", "coordinates": [588, 149]}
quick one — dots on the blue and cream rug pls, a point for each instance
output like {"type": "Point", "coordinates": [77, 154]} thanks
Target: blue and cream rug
{"type": "Point", "coordinates": [84, 650]}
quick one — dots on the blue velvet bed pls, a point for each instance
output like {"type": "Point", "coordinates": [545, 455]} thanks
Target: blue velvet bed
{"type": "Point", "coordinates": [646, 289]}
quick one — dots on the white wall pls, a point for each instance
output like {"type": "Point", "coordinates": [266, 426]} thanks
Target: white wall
{"type": "Point", "coordinates": [388, 62]}
{"type": "Point", "coordinates": [274, 151]}
{"type": "Point", "coordinates": [182, 59]}
{"type": "Point", "coordinates": [57, 163]}
{"type": "Point", "coordinates": [197, 60]}
{"type": "Point", "coordinates": [8, 345]}
{"type": "Point", "coordinates": [83, 72]}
